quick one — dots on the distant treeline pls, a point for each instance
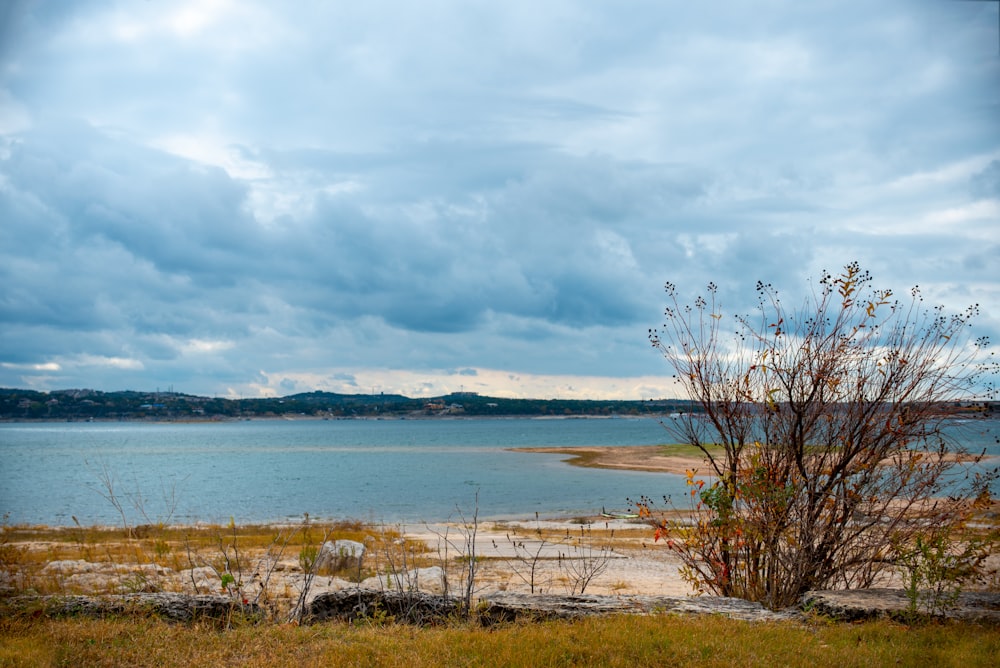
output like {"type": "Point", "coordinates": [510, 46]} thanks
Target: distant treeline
{"type": "Point", "coordinates": [131, 405]}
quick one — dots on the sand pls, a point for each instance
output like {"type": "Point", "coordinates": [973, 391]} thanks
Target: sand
{"type": "Point", "coordinates": [630, 457]}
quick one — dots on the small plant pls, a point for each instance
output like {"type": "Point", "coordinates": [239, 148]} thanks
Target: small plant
{"type": "Point", "coordinates": [619, 586]}
{"type": "Point", "coordinates": [467, 557]}
{"type": "Point", "coordinates": [80, 538]}
{"type": "Point", "coordinates": [584, 560]}
{"type": "Point", "coordinates": [309, 561]}
{"type": "Point", "coordinates": [307, 558]}
{"type": "Point", "coordinates": [376, 617]}
{"type": "Point", "coordinates": [139, 583]}
{"type": "Point", "coordinates": [935, 571]}
{"type": "Point", "coordinates": [400, 564]}
{"type": "Point", "coordinates": [469, 530]}
{"type": "Point", "coordinates": [527, 558]}
{"type": "Point", "coordinates": [161, 548]}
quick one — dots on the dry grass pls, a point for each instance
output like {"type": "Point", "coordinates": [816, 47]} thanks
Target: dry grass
{"type": "Point", "coordinates": [610, 641]}
{"type": "Point", "coordinates": [161, 558]}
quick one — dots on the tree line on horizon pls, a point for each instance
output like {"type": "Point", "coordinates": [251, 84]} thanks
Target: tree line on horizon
{"type": "Point", "coordinates": [75, 404]}
{"type": "Point", "coordinates": [72, 404]}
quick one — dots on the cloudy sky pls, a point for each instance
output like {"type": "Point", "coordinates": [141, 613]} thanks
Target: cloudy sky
{"type": "Point", "coordinates": [241, 198]}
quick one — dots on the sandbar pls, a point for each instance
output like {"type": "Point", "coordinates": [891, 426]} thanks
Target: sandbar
{"type": "Point", "coordinates": [652, 458]}
{"type": "Point", "coordinates": [660, 459]}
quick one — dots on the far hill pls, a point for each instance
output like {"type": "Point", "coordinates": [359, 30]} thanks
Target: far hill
{"type": "Point", "coordinates": [83, 404]}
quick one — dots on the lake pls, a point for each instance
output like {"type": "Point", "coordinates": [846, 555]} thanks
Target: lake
{"type": "Point", "coordinates": [264, 470]}
{"type": "Point", "coordinates": [373, 470]}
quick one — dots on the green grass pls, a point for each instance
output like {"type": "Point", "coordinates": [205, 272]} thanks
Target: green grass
{"type": "Point", "coordinates": [687, 450]}
{"type": "Point", "coordinates": [608, 641]}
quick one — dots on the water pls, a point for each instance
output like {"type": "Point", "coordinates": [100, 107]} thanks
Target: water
{"type": "Point", "coordinates": [392, 470]}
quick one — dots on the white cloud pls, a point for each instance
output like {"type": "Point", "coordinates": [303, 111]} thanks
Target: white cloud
{"type": "Point", "coordinates": [122, 363]}
{"type": "Point", "coordinates": [215, 151]}
{"type": "Point", "coordinates": [203, 347]}
{"type": "Point", "coordinates": [47, 366]}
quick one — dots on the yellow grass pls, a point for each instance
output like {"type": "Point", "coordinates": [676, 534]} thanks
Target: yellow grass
{"type": "Point", "coordinates": [610, 641]}
{"type": "Point", "coordinates": [26, 551]}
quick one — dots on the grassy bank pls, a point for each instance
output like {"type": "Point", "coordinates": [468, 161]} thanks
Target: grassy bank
{"type": "Point", "coordinates": [610, 641]}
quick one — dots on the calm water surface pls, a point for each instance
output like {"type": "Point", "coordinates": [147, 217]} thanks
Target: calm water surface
{"type": "Point", "coordinates": [392, 470]}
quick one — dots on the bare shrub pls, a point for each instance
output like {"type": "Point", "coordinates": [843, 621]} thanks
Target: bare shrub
{"type": "Point", "coordinates": [584, 558]}
{"type": "Point", "coordinates": [832, 422]}
{"type": "Point", "coordinates": [527, 557]}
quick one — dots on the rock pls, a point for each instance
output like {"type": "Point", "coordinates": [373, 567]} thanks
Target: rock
{"type": "Point", "coordinates": [510, 606]}
{"type": "Point", "coordinates": [175, 607]}
{"type": "Point", "coordinates": [429, 580]}
{"type": "Point", "coordinates": [80, 575]}
{"type": "Point", "coordinates": [201, 578]}
{"type": "Point", "coordinates": [422, 608]}
{"type": "Point", "coordinates": [152, 569]}
{"type": "Point", "coordinates": [322, 584]}
{"type": "Point", "coordinates": [340, 555]}
{"type": "Point", "coordinates": [419, 607]}
{"type": "Point", "coordinates": [357, 603]}
{"type": "Point", "coordinates": [861, 604]}
{"type": "Point", "coordinates": [72, 566]}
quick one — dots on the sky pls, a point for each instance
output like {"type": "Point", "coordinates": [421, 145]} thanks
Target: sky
{"type": "Point", "coordinates": [246, 198]}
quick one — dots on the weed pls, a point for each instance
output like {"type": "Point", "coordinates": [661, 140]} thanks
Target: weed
{"type": "Point", "coordinates": [934, 571]}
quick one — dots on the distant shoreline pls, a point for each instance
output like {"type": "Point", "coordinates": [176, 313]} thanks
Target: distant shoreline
{"type": "Point", "coordinates": [317, 418]}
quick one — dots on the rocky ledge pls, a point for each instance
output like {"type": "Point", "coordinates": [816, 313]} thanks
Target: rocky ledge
{"type": "Point", "coordinates": [422, 608]}
{"type": "Point", "coordinates": [861, 604]}
{"type": "Point", "coordinates": [175, 607]}
{"type": "Point", "coordinates": [350, 605]}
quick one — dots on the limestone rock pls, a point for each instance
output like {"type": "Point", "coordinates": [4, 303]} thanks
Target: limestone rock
{"type": "Point", "coordinates": [429, 580]}
{"type": "Point", "coordinates": [175, 607]}
{"type": "Point", "coordinates": [75, 566]}
{"type": "Point", "coordinates": [340, 555]}
{"type": "Point", "coordinates": [202, 578]}
{"type": "Point", "coordinates": [413, 606]}
{"type": "Point", "coordinates": [510, 606]}
{"type": "Point", "coordinates": [860, 604]}
{"type": "Point", "coordinates": [353, 604]}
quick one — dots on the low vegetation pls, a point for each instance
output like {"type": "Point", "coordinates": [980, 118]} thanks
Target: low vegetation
{"type": "Point", "coordinates": [280, 638]}
{"type": "Point", "coordinates": [277, 568]}
{"type": "Point", "coordinates": [608, 641]}
{"type": "Point", "coordinates": [266, 565]}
